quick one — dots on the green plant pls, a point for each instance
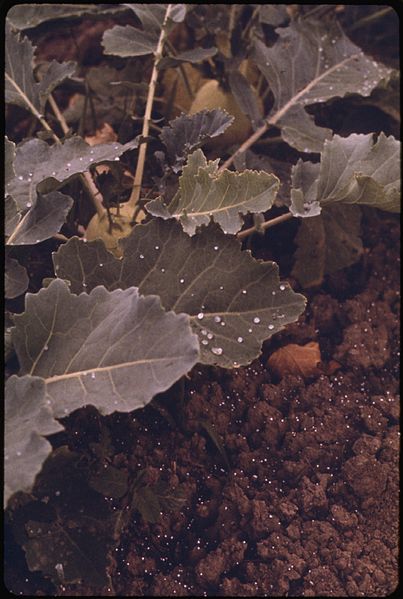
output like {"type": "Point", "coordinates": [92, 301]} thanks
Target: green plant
{"type": "Point", "coordinates": [114, 329]}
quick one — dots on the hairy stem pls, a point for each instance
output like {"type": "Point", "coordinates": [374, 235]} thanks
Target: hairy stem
{"type": "Point", "coordinates": [266, 225]}
{"type": "Point", "coordinates": [86, 177]}
{"type": "Point", "coordinates": [138, 177]}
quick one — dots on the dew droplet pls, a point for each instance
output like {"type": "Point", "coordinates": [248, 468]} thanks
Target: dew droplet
{"type": "Point", "coordinates": [157, 247]}
{"type": "Point", "coordinates": [200, 315]}
{"type": "Point", "coordinates": [273, 293]}
{"type": "Point", "coordinates": [256, 320]}
{"type": "Point", "coordinates": [271, 326]}
{"type": "Point", "coordinates": [240, 339]}
{"type": "Point", "coordinates": [217, 318]}
{"type": "Point", "coordinates": [46, 347]}
{"type": "Point", "coordinates": [28, 204]}
{"type": "Point", "coordinates": [69, 164]}
{"type": "Point", "coordinates": [210, 335]}
{"type": "Point", "coordinates": [117, 158]}
{"type": "Point", "coordinates": [100, 264]}
{"type": "Point", "coordinates": [162, 269]}
{"type": "Point", "coordinates": [216, 247]}
{"type": "Point", "coordinates": [19, 453]}
{"type": "Point", "coordinates": [181, 280]}
{"type": "Point", "coordinates": [92, 375]}
{"type": "Point", "coordinates": [250, 330]}
{"type": "Point", "coordinates": [222, 323]}
{"type": "Point", "coordinates": [141, 256]}
{"type": "Point", "coordinates": [217, 351]}
{"type": "Point", "coordinates": [282, 287]}
{"type": "Point", "coordinates": [203, 332]}
{"type": "Point", "coordinates": [221, 287]}
{"type": "Point", "coordinates": [204, 342]}
{"type": "Point", "coordinates": [244, 291]}
{"type": "Point", "coordinates": [54, 173]}
{"type": "Point", "coordinates": [91, 151]}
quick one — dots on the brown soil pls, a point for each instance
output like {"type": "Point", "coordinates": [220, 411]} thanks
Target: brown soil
{"type": "Point", "coordinates": [309, 505]}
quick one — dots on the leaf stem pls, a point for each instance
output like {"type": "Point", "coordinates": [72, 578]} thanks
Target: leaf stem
{"type": "Point", "coordinates": [138, 177]}
{"type": "Point", "coordinates": [86, 177]}
{"type": "Point", "coordinates": [266, 225]}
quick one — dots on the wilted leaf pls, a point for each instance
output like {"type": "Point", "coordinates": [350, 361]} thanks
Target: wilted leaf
{"type": "Point", "coordinates": [295, 359]}
{"type": "Point", "coordinates": [151, 500]}
{"type": "Point", "coordinates": [189, 131]}
{"type": "Point", "coordinates": [110, 481]}
{"type": "Point", "coordinates": [25, 16]}
{"type": "Point", "coordinates": [36, 161]}
{"type": "Point", "coordinates": [234, 301]}
{"type": "Point", "coordinates": [43, 220]}
{"type": "Point", "coordinates": [27, 418]}
{"type": "Point", "coordinates": [327, 243]}
{"type": "Point", "coordinates": [205, 194]}
{"type": "Point", "coordinates": [128, 41]}
{"type": "Point", "coordinates": [245, 97]}
{"type": "Point", "coordinates": [21, 86]}
{"type": "Point", "coordinates": [16, 279]}
{"type": "Point", "coordinates": [312, 62]}
{"type": "Point", "coordinates": [353, 170]}
{"type": "Point", "coordinates": [9, 157]}
{"type": "Point", "coordinates": [114, 350]}
{"type": "Point", "coordinates": [68, 555]}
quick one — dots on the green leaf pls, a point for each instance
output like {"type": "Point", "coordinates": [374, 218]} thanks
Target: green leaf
{"type": "Point", "coordinates": [128, 41]}
{"type": "Point", "coordinates": [37, 161]}
{"type": "Point", "coordinates": [114, 350]}
{"type": "Point", "coordinates": [27, 417]}
{"type": "Point", "coordinates": [207, 276]}
{"type": "Point", "coordinates": [152, 15]}
{"type": "Point", "coordinates": [16, 278]}
{"type": "Point", "coordinates": [327, 243]}
{"type": "Point", "coordinates": [189, 131]}
{"type": "Point", "coordinates": [205, 194]}
{"type": "Point", "coordinates": [312, 62]}
{"type": "Point", "coordinates": [21, 87]}
{"type": "Point", "coordinates": [55, 74]}
{"type": "Point", "coordinates": [43, 220]}
{"type": "Point", "coordinates": [353, 170]}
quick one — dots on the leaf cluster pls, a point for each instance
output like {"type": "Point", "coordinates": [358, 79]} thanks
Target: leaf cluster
{"type": "Point", "coordinates": [113, 330]}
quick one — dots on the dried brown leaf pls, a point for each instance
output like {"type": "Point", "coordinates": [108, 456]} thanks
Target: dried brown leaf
{"type": "Point", "coordinates": [296, 359]}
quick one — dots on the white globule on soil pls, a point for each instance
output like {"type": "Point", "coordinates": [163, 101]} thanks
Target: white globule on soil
{"type": "Point", "coordinates": [98, 227]}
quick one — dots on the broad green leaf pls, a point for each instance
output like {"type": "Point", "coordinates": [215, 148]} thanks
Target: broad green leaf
{"type": "Point", "coordinates": [152, 15]}
{"type": "Point", "coordinates": [43, 220]}
{"type": "Point", "coordinates": [352, 170]}
{"type": "Point", "coordinates": [27, 418]}
{"type": "Point", "coordinates": [189, 131]}
{"type": "Point", "coordinates": [16, 278]}
{"type": "Point", "coordinates": [312, 62]}
{"type": "Point", "coordinates": [327, 243]}
{"type": "Point", "coordinates": [205, 194]}
{"type": "Point", "coordinates": [36, 161]}
{"type": "Point", "coordinates": [114, 350]}
{"type": "Point", "coordinates": [9, 157]}
{"type": "Point", "coordinates": [26, 16]}
{"type": "Point", "coordinates": [128, 41]}
{"type": "Point", "coordinates": [21, 87]}
{"type": "Point", "coordinates": [234, 301]}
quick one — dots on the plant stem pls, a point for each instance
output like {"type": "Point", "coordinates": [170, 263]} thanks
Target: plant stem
{"type": "Point", "coordinates": [86, 177]}
{"type": "Point", "coordinates": [266, 225]}
{"type": "Point", "coordinates": [138, 177]}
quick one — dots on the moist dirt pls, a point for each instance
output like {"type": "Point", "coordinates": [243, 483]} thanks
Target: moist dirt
{"type": "Point", "coordinates": [307, 504]}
